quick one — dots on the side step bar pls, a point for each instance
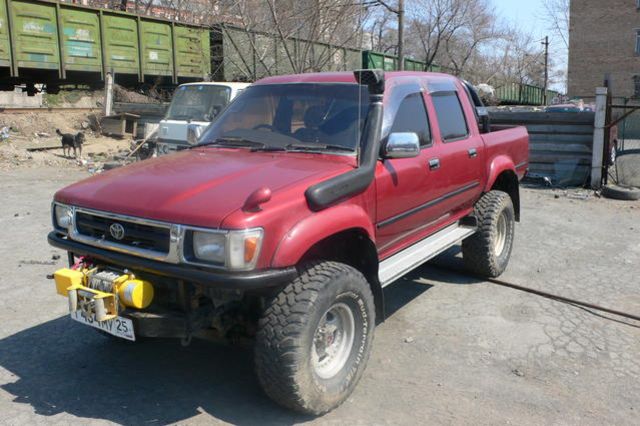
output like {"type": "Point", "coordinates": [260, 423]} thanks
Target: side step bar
{"type": "Point", "coordinates": [412, 257]}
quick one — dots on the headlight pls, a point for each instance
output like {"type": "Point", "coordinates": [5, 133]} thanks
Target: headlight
{"type": "Point", "coordinates": [63, 216]}
{"type": "Point", "coordinates": [236, 250]}
{"type": "Point", "coordinates": [209, 247]}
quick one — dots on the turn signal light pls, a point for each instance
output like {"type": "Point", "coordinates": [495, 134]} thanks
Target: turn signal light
{"type": "Point", "coordinates": [250, 248]}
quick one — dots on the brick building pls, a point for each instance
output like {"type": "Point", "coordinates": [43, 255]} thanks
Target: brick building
{"type": "Point", "coordinates": [604, 44]}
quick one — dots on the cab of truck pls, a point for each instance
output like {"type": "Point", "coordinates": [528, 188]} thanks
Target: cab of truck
{"type": "Point", "coordinates": [193, 107]}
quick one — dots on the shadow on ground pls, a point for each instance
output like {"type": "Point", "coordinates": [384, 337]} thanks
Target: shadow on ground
{"type": "Point", "coordinates": [61, 366]}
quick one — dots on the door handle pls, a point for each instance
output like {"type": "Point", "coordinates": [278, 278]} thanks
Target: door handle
{"type": "Point", "coordinates": [473, 153]}
{"type": "Point", "coordinates": [434, 164]}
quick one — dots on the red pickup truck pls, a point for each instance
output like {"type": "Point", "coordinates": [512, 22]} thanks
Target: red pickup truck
{"type": "Point", "coordinates": [302, 201]}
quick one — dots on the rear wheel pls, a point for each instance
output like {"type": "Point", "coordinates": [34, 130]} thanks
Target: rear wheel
{"type": "Point", "coordinates": [487, 252]}
{"type": "Point", "coordinates": [314, 338]}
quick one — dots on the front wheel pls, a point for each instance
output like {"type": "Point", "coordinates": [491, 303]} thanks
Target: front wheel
{"type": "Point", "coordinates": [314, 338]}
{"type": "Point", "coordinates": [487, 252]}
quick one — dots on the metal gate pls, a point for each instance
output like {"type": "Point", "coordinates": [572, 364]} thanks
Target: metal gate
{"type": "Point", "coordinates": [621, 156]}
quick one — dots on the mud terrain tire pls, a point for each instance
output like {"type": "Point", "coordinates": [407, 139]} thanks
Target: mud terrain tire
{"type": "Point", "coordinates": [328, 306]}
{"type": "Point", "coordinates": [487, 252]}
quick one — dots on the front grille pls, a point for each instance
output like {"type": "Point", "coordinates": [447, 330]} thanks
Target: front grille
{"type": "Point", "coordinates": [136, 235]}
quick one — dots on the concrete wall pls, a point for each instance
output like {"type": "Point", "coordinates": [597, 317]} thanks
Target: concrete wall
{"type": "Point", "coordinates": [602, 42]}
{"type": "Point", "coordinates": [19, 99]}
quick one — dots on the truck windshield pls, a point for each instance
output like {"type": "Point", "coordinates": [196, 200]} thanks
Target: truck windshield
{"type": "Point", "coordinates": [309, 116]}
{"type": "Point", "coordinates": [198, 102]}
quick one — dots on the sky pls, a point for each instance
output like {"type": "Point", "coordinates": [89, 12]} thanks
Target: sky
{"type": "Point", "coordinates": [523, 13]}
{"type": "Point", "coordinates": [529, 16]}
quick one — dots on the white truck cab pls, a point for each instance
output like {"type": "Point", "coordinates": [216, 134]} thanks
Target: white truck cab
{"type": "Point", "coordinates": [192, 109]}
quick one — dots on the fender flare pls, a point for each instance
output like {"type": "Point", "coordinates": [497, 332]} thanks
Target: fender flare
{"type": "Point", "coordinates": [499, 164]}
{"type": "Point", "coordinates": [293, 246]}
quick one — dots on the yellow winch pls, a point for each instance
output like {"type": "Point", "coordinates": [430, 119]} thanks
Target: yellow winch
{"type": "Point", "coordinates": [102, 292]}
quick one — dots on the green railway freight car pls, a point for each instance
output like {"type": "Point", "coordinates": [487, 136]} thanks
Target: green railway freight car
{"type": "Point", "coordinates": [376, 60]}
{"type": "Point", "coordinates": [5, 43]}
{"type": "Point", "coordinates": [45, 41]}
{"type": "Point", "coordinates": [524, 94]}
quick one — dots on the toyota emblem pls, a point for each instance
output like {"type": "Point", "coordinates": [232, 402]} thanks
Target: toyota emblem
{"type": "Point", "coordinates": [117, 231]}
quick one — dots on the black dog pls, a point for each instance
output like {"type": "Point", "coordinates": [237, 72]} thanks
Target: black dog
{"type": "Point", "coordinates": [71, 141]}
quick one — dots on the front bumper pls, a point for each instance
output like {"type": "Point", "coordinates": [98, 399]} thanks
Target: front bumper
{"type": "Point", "coordinates": [202, 275]}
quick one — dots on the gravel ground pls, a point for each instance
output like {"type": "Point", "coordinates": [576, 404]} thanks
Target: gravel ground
{"type": "Point", "coordinates": [454, 351]}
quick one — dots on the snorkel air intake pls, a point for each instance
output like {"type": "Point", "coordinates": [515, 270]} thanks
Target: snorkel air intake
{"type": "Point", "coordinates": [324, 194]}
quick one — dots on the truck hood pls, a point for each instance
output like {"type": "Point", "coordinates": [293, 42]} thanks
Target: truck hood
{"type": "Point", "coordinates": [198, 187]}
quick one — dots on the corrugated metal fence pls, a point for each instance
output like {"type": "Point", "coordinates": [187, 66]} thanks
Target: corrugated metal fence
{"type": "Point", "coordinates": [560, 143]}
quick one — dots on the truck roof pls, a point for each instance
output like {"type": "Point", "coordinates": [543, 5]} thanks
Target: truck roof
{"type": "Point", "coordinates": [348, 77]}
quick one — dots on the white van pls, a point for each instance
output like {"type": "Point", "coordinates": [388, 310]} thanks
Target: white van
{"type": "Point", "coordinates": [192, 109]}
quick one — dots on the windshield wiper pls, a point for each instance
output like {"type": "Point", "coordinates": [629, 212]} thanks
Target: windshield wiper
{"type": "Point", "coordinates": [232, 142]}
{"type": "Point", "coordinates": [239, 143]}
{"type": "Point", "coordinates": [317, 147]}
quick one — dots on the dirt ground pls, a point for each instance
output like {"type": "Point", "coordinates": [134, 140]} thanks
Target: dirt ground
{"type": "Point", "coordinates": [38, 130]}
{"type": "Point", "coordinates": [454, 350]}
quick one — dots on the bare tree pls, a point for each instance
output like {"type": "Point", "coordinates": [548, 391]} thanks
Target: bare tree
{"type": "Point", "coordinates": [520, 60]}
{"type": "Point", "coordinates": [287, 36]}
{"type": "Point", "coordinates": [434, 22]}
{"type": "Point", "coordinates": [556, 13]}
{"type": "Point", "coordinates": [382, 36]}
{"type": "Point", "coordinates": [479, 27]}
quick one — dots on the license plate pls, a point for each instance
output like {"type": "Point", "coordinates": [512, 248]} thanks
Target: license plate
{"type": "Point", "coordinates": [119, 327]}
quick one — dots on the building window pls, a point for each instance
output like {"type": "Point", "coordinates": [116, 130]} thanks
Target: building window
{"type": "Point", "coordinates": [638, 41]}
{"type": "Point", "coordinates": [636, 86]}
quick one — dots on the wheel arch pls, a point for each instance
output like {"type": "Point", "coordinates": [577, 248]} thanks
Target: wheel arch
{"type": "Point", "coordinates": [503, 177]}
{"type": "Point", "coordinates": [343, 233]}
{"type": "Point", "coordinates": [352, 247]}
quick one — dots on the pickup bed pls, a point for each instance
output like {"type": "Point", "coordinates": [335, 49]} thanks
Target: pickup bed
{"type": "Point", "coordinates": [307, 196]}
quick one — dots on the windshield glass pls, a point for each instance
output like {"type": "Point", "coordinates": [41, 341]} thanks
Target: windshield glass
{"type": "Point", "coordinates": [199, 102]}
{"type": "Point", "coordinates": [310, 116]}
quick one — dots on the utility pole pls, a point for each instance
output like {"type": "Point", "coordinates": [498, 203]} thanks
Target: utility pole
{"type": "Point", "coordinates": [399, 11]}
{"type": "Point", "coordinates": [546, 69]}
{"type": "Point", "coordinates": [401, 35]}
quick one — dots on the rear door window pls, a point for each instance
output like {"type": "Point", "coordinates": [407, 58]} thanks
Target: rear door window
{"type": "Point", "coordinates": [412, 117]}
{"type": "Point", "coordinates": [451, 119]}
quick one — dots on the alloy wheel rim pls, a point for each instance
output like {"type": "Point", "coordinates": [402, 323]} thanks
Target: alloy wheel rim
{"type": "Point", "coordinates": [333, 341]}
{"type": "Point", "coordinates": [501, 235]}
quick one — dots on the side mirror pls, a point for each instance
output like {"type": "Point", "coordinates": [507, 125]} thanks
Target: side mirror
{"type": "Point", "coordinates": [194, 131]}
{"type": "Point", "coordinates": [401, 145]}
{"type": "Point", "coordinates": [484, 123]}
